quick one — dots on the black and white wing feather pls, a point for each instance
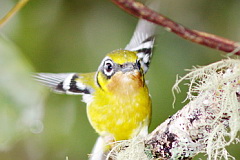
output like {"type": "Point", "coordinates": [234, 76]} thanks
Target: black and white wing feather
{"type": "Point", "coordinates": [68, 83]}
{"type": "Point", "coordinates": [142, 42]}
{"type": "Point", "coordinates": [143, 39]}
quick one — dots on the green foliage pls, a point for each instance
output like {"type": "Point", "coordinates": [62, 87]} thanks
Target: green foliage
{"type": "Point", "coordinates": [20, 97]}
{"type": "Point", "coordinates": [74, 36]}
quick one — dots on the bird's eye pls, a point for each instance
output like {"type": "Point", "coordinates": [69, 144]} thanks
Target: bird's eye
{"type": "Point", "coordinates": [108, 67]}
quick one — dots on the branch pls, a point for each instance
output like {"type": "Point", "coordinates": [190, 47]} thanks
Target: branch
{"type": "Point", "coordinates": [13, 11]}
{"type": "Point", "coordinates": [141, 11]}
{"type": "Point", "coordinates": [207, 124]}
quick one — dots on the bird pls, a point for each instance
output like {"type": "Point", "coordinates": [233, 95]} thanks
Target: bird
{"type": "Point", "coordinates": [117, 97]}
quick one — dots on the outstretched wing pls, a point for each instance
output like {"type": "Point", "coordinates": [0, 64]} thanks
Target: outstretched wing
{"type": "Point", "coordinates": [69, 83]}
{"type": "Point", "coordinates": [142, 42]}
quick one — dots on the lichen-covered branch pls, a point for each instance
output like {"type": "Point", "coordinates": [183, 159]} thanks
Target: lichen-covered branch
{"type": "Point", "coordinates": [139, 10]}
{"type": "Point", "coordinates": [207, 124]}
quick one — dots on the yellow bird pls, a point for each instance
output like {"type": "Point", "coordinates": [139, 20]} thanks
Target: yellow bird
{"type": "Point", "coordinates": [117, 97]}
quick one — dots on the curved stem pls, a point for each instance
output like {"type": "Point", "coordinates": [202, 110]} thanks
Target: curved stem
{"type": "Point", "coordinates": [14, 10]}
{"type": "Point", "coordinates": [141, 11]}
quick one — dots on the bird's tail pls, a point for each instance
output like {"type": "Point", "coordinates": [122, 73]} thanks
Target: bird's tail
{"type": "Point", "coordinates": [98, 151]}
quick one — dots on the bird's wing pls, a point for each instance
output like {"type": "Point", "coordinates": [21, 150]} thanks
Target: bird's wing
{"type": "Point", "coordinates": [143, 40]}
{"type": "Point", "coordinates": [68, 83]}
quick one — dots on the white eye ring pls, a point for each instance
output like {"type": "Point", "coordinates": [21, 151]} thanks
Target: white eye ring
{"type": "Point", "coordinates": [108, 67]}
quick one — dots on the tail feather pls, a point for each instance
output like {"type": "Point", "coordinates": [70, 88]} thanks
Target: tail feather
{"type": "Point", "coordinates": [98, 150]}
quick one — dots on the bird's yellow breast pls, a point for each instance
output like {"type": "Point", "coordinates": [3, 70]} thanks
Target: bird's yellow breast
{"type": "Point", "coordinates": [124, 109]}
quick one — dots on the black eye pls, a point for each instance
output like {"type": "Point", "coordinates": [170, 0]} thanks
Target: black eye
{"type": "Point", "coordinates": [108, 67]}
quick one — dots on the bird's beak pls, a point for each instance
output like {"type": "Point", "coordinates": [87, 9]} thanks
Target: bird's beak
{"type": "Point", "coordinates": [128, 67]}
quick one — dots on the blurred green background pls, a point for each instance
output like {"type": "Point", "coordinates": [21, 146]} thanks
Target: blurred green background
{"type": "Point", "coordinates": [73, 36]}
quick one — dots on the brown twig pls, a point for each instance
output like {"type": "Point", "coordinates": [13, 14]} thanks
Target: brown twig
{"type": "Point", "coordinates": [14, 10]}
{"type": "Point", "coordinates": [141, 11]}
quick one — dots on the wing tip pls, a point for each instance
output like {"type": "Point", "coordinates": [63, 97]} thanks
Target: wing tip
{"type": "Point", "coordinates": [62, 83]}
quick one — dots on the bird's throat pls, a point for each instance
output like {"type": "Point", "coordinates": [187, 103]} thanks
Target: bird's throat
{"type": "Point", "coordinates": [125, 84]}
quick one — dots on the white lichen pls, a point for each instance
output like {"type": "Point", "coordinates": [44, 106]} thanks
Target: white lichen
{"type": "Point", "coordinates": [207, 124]}
{"type": "Point", "coordinates": [129, 150]}
{"type": "Point", "coordinates": [217, 87]}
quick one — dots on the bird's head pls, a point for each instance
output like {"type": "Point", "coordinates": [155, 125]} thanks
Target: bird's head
{"type": "Point", "coordinates": [120, 71]}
